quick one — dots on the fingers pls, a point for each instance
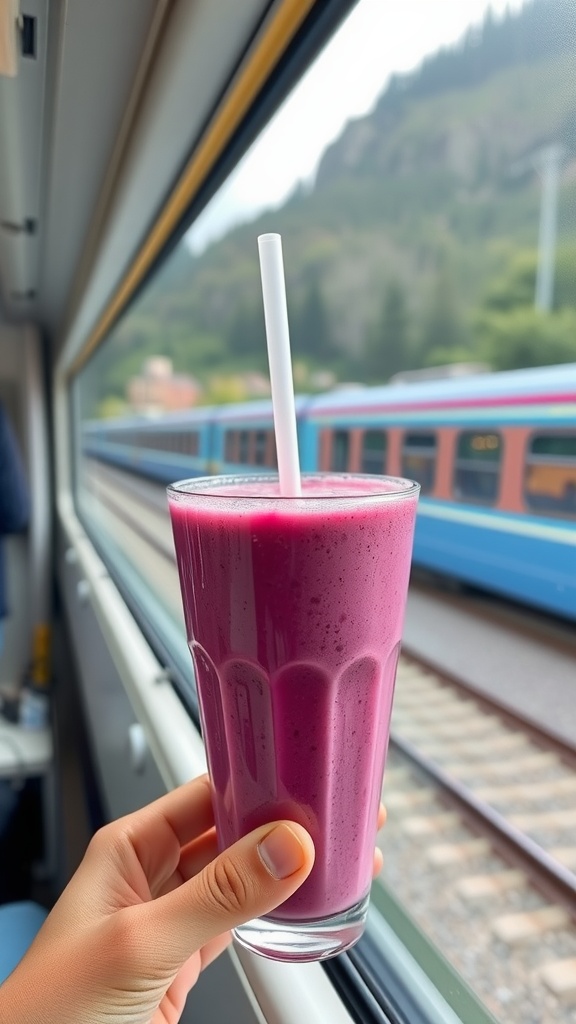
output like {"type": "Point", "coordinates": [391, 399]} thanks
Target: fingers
{"type": "Point", "coordinates": [378, 862]}
{"type": "Point", "coordinates": [214, 948]}
{"type": "Point", "coordinates": [250, 879]}
{"type": "Point", "coordinates": [193, 858]}
{"type": "Point", "coordinates": [381, 816]}
{"type": "Point", "coordinates": [153, 837]}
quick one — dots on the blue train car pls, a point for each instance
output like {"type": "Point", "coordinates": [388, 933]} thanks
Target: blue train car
{"type": "Point", "coordinates": [165, 449]}
{"type": "Point", "coordinates": [243, 437]}
{"type": "Point", "coordinates": [495, 456]}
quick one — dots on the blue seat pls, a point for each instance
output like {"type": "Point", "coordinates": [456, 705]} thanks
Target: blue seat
{"type": "Point", "coordinates": [19, 923]}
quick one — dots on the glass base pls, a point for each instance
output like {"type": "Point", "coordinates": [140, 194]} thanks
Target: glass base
{"type": "Point", "coordinates": [304, 941]}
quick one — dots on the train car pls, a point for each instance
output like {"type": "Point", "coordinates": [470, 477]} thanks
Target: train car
{"type": "Point", "coordinates": [175, 446]}
{"type": "Point", "coordinates": [243, 437]}
{"type": "Point", "coordinates": [495, 456]}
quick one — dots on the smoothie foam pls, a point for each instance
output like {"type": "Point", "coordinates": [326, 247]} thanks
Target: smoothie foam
{"type": "Point", "coordinates": [294, 612]}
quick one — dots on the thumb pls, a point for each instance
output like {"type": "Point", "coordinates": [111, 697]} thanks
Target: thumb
{"type": "Point", "coordinates": [247, 880]}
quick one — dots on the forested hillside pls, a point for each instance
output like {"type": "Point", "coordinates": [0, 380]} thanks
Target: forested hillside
{"type": "Point", "coordinates": [417, 243]}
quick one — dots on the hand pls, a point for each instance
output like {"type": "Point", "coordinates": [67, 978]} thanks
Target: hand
{"type": "Point", "coordinates": [150, 906]}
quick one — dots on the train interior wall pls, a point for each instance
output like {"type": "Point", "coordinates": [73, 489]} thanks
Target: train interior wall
{"type": "Point", "coordinates": [22, 845]}
{"type": "Point", "coordinates": [16, 625]}
{"type": "Point", "coordinates": [95, 776]}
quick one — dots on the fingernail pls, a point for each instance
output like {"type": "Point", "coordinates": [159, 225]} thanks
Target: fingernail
{"type": "Point", "coordinates": [281, 852]}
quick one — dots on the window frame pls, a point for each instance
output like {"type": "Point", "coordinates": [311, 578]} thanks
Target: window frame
{"type": "Point", "coordinates": [155, 681]}
{"type": "Point", "coordinates": [383, 432]}
{"type": "Point", "coordinates": [343, 432]}
{"type": "Point", "coordinates": [434, 449]}
{"type": "Point", "coordinates": [569, 516]}
{"type": "Point", "coordinates": [483, 466]}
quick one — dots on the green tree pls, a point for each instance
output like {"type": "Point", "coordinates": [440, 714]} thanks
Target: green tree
{"type": "Point", "coordinates": [526, 337]}
{"type": "Point", "coordinates": [457, 354]}
{"type": "Point", "coordinates": [442, 326]}
{"type": "Point", "coordinates": [246, 333]}
{"type": "Point", "coordinates": [516, 285]}
{"type": "Point", "coordinates": [565, 278]}
{"type": "Point", "coordinates": [311, 326]}
{"type": "Point", "coordinates": [388, 341]}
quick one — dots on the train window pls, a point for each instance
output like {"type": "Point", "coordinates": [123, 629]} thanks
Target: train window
{"type": "Point", "coordinates": [244, 447]}
{"type": "Point", "coordinates": [550, 477]}
{"type": "Point", "coordinates": [340, 451]}
{"type": "Point", "coordinates": [374, 445]}
{"type": "Point", "coordinates": [271, 457]}
{"type": "Point", "coordinates": [230, 446]}
{"type": "Point", "coordinates": [477, 467]}
{"type": "Point", "coordinates": [419, 459]}
{"type": "Point", "coordinates": [192, 443]}
{"type": "Point", "coordinates": [260, 447]}
{"type": "Point", "coordinates": [374, 286]}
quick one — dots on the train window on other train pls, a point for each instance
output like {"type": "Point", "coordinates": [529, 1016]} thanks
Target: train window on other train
{"type": "Point", "coordinates": [192, 443]}
{"type": "Point", "coordinates": [340, 451]}
{"type": "Point", "coordinates": [260, 447]}
{"type": "Point", "coordinates": [550, 480]}
{"type": "Point", "coordinates": [477, 467]}
{"type": "Point", "coordinates": [230, 446]}
{"type": "Point", "coordinates": [374, 446]}
{"type": "Point", "coordinates": [419, 459]}
{"type": "Point", "coordinates": [244, 447]}
{"type": "Point", "coordinates": [271, 456]}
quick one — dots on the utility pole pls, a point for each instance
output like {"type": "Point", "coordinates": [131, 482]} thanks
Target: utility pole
{"type": "Point", "coordinates": [548, 162]}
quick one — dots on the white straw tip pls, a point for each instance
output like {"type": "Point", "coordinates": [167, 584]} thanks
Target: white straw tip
{"type": "Point", "coordinates": [269, 239]}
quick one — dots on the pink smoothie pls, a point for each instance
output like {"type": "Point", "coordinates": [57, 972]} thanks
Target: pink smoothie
{"type": "Point", "coordinates": [294, 613]}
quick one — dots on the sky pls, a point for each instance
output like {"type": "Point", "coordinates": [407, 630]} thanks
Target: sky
{"type": "Point", "coordinates": [378, 38]}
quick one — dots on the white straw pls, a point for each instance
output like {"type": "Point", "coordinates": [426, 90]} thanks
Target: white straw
{"type": "Point", "coordinates": [278, 338]}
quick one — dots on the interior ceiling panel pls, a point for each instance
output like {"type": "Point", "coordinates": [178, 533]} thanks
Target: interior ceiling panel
{"type": "Point", "coordinates": [94, 129]}
{"type": "Point", "coordinates": [95, 50]}
{"type": "Point", "coordinates": [59, 118]}
{"type": "Point", "coordinates": [202, 44]}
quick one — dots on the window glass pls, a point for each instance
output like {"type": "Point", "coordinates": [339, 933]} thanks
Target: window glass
{"type": "Point", "coordinates": [477, 467]}
{"type": "Point", "coordinates": [230, 438]}
{"type": "Point", "coordinates": [550, 480]}
{"type": "Point", "coordinates": [409, 194]}
{"type": "Point", "coordinates": [260, 447]}
{"type": "Point", "coordinates": [271, 457]}
{"type": "Point", "coordinates": [374, 445]}
{"type": "Point", "coordinates": [419, 460]}
{"type": "Point", "coordinates": [340, 451]}
{"type": "Point", "coordinates": [244, 446]}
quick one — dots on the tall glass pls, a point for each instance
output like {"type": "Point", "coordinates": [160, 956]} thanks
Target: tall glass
{"type": "Point", "coordinates": [294, 610]}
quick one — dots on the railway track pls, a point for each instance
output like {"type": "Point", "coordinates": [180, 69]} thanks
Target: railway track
{"type": "Point", "coordinates": [482, 829]}
{"type": "Point", "coordinates": [480, 844]}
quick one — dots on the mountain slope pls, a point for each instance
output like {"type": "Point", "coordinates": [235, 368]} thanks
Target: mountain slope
{"type": "Point", "coordinates": [431, 195]}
